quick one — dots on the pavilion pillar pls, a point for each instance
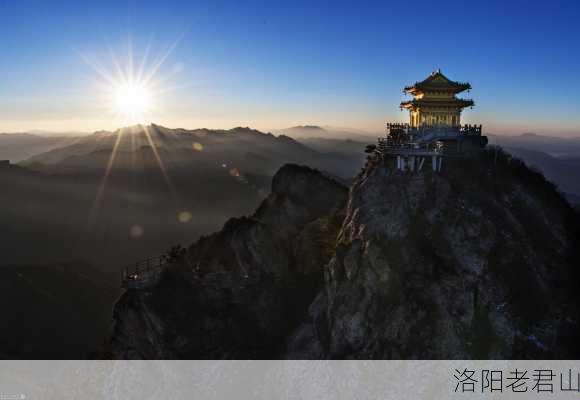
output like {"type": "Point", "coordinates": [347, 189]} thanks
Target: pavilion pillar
{"type": "Point", "coordinates": [421, 162]}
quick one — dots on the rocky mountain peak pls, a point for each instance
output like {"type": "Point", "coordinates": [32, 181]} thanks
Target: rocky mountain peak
{"type": "Point", "coordinates": [442, 266]}
{"type": "Point", "coordinates": [424, 265]}
{"type": "Point", "coordinates": [254, 279]}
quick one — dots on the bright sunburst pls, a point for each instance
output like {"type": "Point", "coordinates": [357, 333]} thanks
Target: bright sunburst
{"type": "Point", "coordinates": [130, 95]}
{"type": "Point", "coordinates": [132, 101]}
{"type": "Point", "coordinates": [131, 89]}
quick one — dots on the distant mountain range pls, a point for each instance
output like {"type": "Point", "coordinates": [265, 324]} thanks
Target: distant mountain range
{"type": "Point", "coordinates": [553, 145]}
{"type": "Point", "coordinates": [156, 173]}
{"type": "Point", "coordinates": [319, 146]}
{"type": "Point", "coordinates": [248, 150]}
{"type": "Point", "coordinates": [562, 171]}
{"type": "Point", "coordinates": [558, 158]}
{"type": "Point", "coordinates": [19, 146]}
{"type": "Point", "coordinates": [327, 132]}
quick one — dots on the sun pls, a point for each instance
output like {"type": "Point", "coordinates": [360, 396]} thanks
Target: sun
{"type": "Point", "coordinates": [132, 87]}
{"type": "Point", "coordinates": [132, 100]}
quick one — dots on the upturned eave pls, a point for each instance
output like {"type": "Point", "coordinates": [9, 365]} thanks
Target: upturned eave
{"type": "Point", "coordinates": [420, 103]}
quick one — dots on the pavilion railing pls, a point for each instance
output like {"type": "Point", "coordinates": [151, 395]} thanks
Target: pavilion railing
{"type": "Point", "coordinates": [466, 129]}
{"type": "Point", "coordinates": [142, 270]}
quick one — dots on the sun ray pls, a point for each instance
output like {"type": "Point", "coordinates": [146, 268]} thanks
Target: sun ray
{"type": "Point", "coordinates": [144, 60]}
{"type": "Point", "coordinates": [160, 60]}
{"type": "Point", "coordinates": [117, 66]}
{"type": "Point", "coordinates": [129, 67]}
{"type": "Point", "coordinates": [98, 68]}
{"type": "Point", "coordinates": [101, 190]}
{"type": "Point", "coordinates": [160, 162]}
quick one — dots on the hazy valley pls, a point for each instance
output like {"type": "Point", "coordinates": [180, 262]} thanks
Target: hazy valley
{"type": "Point", "coordinates": [164, 187]}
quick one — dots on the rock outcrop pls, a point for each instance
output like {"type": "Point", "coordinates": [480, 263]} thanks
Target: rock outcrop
{"type": "Point", "coordinates": [478, 261]}
{"type": "Point", "coordinates": [239, 293]}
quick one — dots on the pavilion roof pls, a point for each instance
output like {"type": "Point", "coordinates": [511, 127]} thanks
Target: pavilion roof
{"type": "Point", "coordinates": [437, 82]}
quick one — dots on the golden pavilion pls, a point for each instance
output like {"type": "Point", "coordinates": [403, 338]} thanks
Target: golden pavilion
{"type": "Point", "coordinates": [434, 129]}
{"type": "Point", "coordinates": [434, 101]}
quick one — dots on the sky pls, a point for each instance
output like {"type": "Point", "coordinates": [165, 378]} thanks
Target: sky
{"type": "Point", "coordinates": [271, 65]}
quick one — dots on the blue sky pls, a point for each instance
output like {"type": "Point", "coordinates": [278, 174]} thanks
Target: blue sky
{"type": "Point", "coordinates": [277, 64]}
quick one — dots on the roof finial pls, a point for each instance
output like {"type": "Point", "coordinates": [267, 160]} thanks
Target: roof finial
{"type": "Point", "coordinates": [438, 70]}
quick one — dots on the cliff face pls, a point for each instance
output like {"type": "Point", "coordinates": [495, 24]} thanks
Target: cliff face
{"type": "Point", "coordinates": [474, 262]}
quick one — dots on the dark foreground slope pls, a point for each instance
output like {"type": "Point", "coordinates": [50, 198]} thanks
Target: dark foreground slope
{"type": "Point", "coordinates": [53, 311]}
{"type": "Point", "coordinates": [239, 293]}
{"type": "Point", "coordinates": [475, 262]}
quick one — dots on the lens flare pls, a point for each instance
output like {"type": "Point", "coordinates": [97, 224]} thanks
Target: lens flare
{"type": "Point", "coordinates": [136, 231]}
{"type": "Point", "coordinates": [184, 217]}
